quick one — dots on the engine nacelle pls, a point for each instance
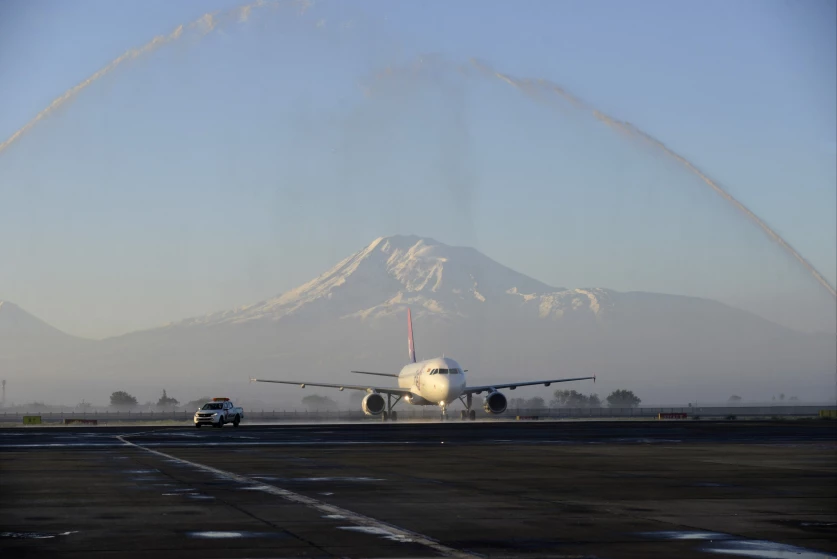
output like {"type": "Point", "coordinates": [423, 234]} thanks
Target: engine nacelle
{"type": "Point", "coordinates": [495, 403]}
{"type": "Point", "coordinates": [373, 404]}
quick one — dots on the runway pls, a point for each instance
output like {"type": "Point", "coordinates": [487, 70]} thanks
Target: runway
{"type": "Point", "coordinates": [510, 489]}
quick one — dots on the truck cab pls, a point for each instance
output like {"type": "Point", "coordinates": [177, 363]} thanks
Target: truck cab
{"type": "Point", "coordinates": [217, 412]}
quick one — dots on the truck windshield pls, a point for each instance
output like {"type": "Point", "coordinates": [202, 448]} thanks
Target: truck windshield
{"type": "Point", "coordinates": [211, 406]}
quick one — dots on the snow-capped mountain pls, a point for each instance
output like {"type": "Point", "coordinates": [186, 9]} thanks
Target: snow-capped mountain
{"type": "Point", "coordinates": [432, 278]}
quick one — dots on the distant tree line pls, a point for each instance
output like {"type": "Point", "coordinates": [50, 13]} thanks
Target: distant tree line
{"type": "Point", "coordinates": [315, 402]}
{"type": "Point", "coordinates": [735, 399]}
{"type": "Point", "coordinates": [123, 400]}
{"type": "Point", "coordinates": [575, 399]}
{"type": "Point", "coordinates": [529, 404]}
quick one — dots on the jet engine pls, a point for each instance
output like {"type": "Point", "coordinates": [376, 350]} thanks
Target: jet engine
{"type": "Point", "coordinates": [494, 403]}
{"type": "Point", "coordinates": [374, 404]}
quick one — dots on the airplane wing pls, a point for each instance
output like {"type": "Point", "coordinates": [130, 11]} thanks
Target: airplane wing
{"type": "Point", "coordinates": [513, 385]}
{"type": "Point", "coordinates": [376, 374]}
{"type": "Point", "coordinates": [382, 390]}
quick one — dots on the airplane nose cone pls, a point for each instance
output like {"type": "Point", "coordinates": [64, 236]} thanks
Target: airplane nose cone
{"type": "Point", "coordinates": [442, 385]}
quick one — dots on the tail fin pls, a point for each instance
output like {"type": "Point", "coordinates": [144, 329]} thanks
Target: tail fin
{"type": "Point", "coordinates": [411, 347]}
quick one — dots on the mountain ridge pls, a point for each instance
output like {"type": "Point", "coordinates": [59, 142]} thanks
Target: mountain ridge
{"type": "Point", "coordinates": [503, 324]}
{"type": "Point", "coordinates": [433, 278]}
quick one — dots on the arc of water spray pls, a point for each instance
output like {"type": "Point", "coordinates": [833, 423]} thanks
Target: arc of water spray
{"type": "Point", "coordinates": [206, 23]}
{"type": "Point", "coordinates": [209, 21]}
{"type": "Point", "coordinates": [530, 86]}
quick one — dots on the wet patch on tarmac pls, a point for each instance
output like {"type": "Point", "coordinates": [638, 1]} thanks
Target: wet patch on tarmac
{"type": "Point", "coordinates": [315, 479]}
{"type": "Point", "coordinates": [810, 526]}
{"type": "Point", "coordinates": [644, 441]}
{"type": "Point", "coordinates": [229, 535]}
{"type": "Point", "coordinates": [759, 549]}
{"type": "Point", "coordinates": [674, 535]}
{"type": "Point", "coordinates": [200, 497]}
{"type": "Point", "coordinates": [33, 535]}
{"type": "Point", "coordinates": [514, 544]}
{"type": "Point", "coordinates": [728, 544]}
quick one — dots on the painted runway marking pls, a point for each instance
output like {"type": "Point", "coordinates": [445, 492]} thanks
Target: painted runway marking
{"type": "Point", "coordinates": [371, 525]}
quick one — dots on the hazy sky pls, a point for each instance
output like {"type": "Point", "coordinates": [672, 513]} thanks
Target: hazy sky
{"type": "Point", "coordinates": [225, 168]}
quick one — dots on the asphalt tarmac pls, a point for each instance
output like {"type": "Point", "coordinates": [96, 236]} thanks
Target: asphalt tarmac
{"type": "Point", "coordinates": [501, 489]}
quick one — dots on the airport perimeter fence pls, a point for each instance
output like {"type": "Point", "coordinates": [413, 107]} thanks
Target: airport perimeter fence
{"type": "Point", "coordinates": [429, 412]}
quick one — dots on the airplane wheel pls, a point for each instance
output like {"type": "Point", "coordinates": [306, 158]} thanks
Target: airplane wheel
{"type": "Point", "coordinates": [393, 416]}
{"type": "Point", "coordinates": [472, 415]}
{"type": "Point", "coordinates": [463, 415]}
{"type": "Point", "coordinates": [384, 416]}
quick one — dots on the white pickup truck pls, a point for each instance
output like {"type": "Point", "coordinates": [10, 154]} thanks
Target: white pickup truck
{"type": "Point", "coordinates": [217, 412]}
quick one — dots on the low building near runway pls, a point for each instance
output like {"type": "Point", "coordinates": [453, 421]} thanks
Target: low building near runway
{"type": "Point", "coordinates": [672, 415]}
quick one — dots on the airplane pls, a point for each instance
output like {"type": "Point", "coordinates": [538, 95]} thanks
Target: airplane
{"type": "Point", "coordinates": [432, 382]}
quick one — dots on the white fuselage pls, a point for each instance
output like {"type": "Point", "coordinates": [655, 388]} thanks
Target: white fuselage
{"type": "Point", "coordinates": [432, 381]}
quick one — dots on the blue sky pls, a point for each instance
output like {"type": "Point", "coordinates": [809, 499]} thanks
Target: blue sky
{"type": "Point", "coordinates": [223, 169]}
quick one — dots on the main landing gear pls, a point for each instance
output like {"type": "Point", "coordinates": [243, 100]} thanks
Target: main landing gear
{"type": "Point", "coordinates": [390, 414]}
{"type": "Point", "coordinates": [468, 413]}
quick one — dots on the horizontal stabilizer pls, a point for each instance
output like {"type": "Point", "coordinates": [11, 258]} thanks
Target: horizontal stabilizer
{"type": "Point", "coordinates": [376, 374]}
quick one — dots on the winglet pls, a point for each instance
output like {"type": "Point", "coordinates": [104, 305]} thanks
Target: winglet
{"type": "Point", "coordinates": [411, 348]}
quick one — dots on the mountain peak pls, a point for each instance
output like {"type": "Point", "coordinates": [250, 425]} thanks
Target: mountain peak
{"type": "Point", "coordinates": [389, 274]}
{"type": "Point", "coordinates": [16, 323]}
{"type": "Point", "coordinates": [9, 312]}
